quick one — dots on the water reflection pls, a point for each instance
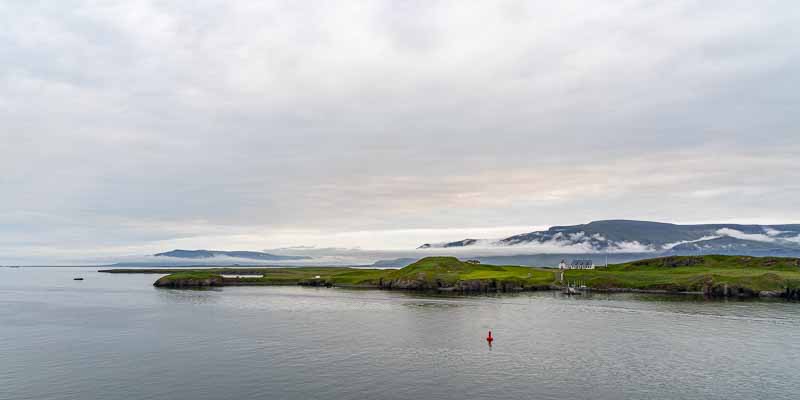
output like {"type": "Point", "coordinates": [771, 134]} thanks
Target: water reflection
{"type": "Point", "coordinates": [104, 338]}
{"type": "Point", "coordinates": [205, 295]}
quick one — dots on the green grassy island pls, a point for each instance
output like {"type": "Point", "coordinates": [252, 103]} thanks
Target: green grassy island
{"type": "Point", "coordinates": [713, 275]}
{"type": "Point", "coordinates": [710, 275]}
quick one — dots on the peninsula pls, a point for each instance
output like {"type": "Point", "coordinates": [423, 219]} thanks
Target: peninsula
{"type": "Point", "coordinates": [714, 275]}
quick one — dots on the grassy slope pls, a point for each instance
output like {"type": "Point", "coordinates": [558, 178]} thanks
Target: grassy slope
{"type": "Point", "coordinates": [688, 273]}
{"type": "Point", "coordinates": [692, 273]}
{"type": "Point", "coordinates": [450, 270]}
{"type": "Point", "coordinates": [444, 269]}
{"type": "Point", "coordinates": [283, 276]}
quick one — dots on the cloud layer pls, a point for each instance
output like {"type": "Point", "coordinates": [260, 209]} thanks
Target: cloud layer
{"type": "Point", "coordinates": [134, 127]}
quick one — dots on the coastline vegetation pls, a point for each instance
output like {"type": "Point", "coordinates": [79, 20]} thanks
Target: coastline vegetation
{"type": "Point", "coordinates": [449, 272]}
{"type": "Point", "coordinates": [430, 272]}
{"type": "Point", "coordinates": [709, 274]}
{"type": "Point", "coordinates": [712, 274]}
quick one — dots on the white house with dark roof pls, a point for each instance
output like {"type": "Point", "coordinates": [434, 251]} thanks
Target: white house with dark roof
{"type": "Point", "coordinates": [576, 264]}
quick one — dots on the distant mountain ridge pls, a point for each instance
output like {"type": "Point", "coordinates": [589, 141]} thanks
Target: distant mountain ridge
{"type": "Point", "coordinates": [460, 243]}
{"type": "Point", "coordinates": [647, 237]}
{"type": "Point", "coordinates": [248, 255]}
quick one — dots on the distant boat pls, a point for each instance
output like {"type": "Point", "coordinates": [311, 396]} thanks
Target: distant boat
{"type": "Point", "coordinates": [77, 279]}
{"type": "Point", "coordinates": [570, 291]}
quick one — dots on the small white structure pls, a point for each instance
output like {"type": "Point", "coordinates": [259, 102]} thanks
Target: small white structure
{"type": "Point", "coordinates": [576, 264]}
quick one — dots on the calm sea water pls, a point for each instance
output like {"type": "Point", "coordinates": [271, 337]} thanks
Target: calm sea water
{"type": "Point", "coordinates": [116, 337]}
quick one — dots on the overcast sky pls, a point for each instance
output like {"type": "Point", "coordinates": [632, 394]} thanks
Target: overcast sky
{"type": "Point", "coordinates": [132, 127]}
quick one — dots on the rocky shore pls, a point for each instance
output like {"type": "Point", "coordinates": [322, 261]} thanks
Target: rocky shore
{"type": "Point", "coordinates": [216, 280]}
{"type": "Point", "coordinates": [473, 287]}
{"type": "Point", "coordinates": [462, 286]}
{"type": "Point", "coordinates": [710, 276]}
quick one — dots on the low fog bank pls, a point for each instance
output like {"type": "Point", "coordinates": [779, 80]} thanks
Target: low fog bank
{"type": "Point", "coordinates": [390, 258]}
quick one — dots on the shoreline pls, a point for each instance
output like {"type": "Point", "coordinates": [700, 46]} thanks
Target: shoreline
{"type": "Point", "coordinates": [485, 289]}
{"type": "Point", "coordinates": [709, 276]}
{"type": "Point", "coordinates": [454, 290]}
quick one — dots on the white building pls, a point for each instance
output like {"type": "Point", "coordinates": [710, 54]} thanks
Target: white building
{"type": "Point", "coordinates": [576, 264]}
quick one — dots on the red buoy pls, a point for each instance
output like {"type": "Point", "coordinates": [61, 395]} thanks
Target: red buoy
{"type": "Point", "coordinates": [489, 338]}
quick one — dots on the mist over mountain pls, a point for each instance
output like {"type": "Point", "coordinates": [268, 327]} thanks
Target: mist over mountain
{"type": "Point", "coordinates": [628, 236]}
{"type": "Point", "coordinates": [611, 241]}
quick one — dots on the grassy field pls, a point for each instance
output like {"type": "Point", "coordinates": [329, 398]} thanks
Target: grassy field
{"type": "Point", "coordinates": [695, 274]}
{"type": "Point", "coordinates": [449, 271]}
{"type": "Point", "coordinates": [715, 275]}
{"type": "Point", "coordinates": [275, 276]}
{"type": "Point", "coordinates": [428, 272]}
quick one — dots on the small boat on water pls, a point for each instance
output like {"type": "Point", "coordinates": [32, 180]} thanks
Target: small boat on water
{"type": "Point", "coordinates": [77, 279]}
{"type": "Point", "coordinates": [570, 291]}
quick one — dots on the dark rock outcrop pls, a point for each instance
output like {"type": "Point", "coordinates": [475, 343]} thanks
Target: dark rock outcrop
{"type": "Point", "coordinates": [190, 282]}
{"type": "Point", "coordinates": [461, 286]}
{"type": "Point", "coordinates": [791, 293]}
{"type": "Point", "coordinates": [315, 283]}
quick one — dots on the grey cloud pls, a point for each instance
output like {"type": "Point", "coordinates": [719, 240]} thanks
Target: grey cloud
{"type": "Point", "coordinates": [129, 124]}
